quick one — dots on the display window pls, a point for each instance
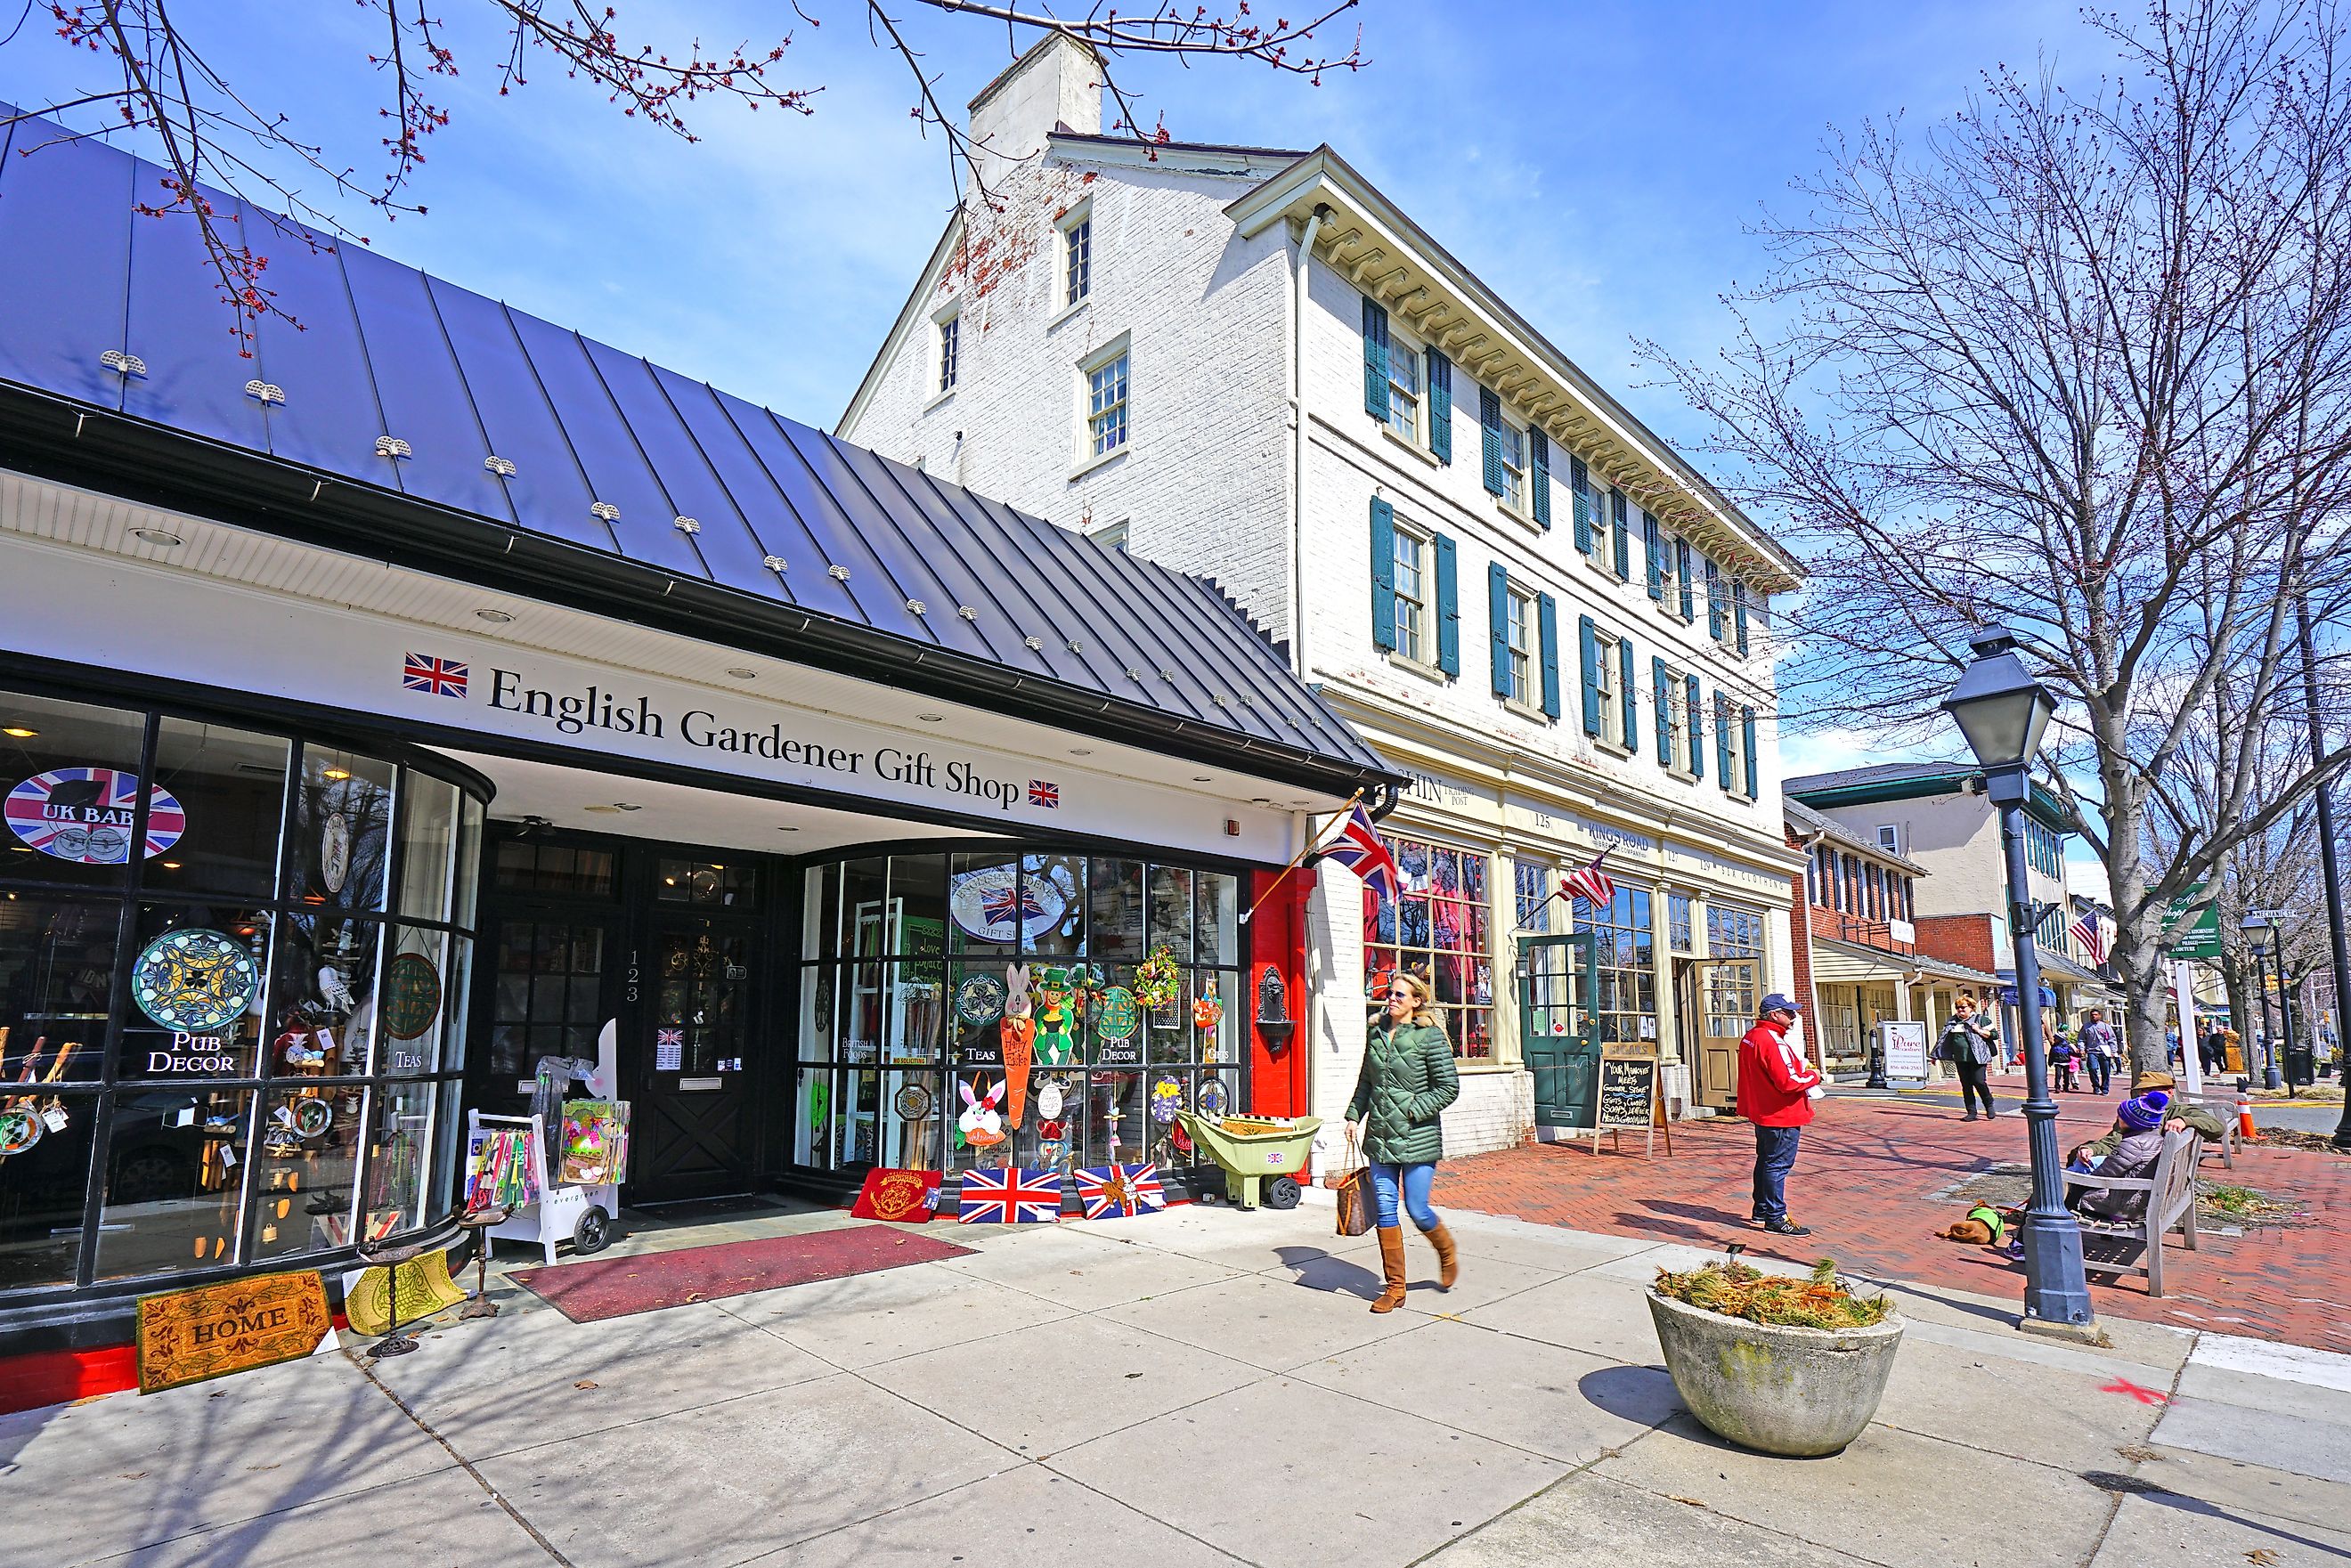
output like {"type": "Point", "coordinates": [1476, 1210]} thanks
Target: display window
{"type": "Point", "coordinates": [1624, 955]}
{"type": "Point", "coordinates": [1437, 927]}
{"type": "Point", "coordinates": [230, 1000]}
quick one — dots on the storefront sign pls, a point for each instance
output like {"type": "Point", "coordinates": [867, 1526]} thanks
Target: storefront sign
{"type": "Point", "coordinates": [188, 1336]}
{"type": "Point", "coordinates": [194, 981]}
{"type": "Point", "coordinates": [1904, 1044]}
{"type": "Point", "coordinates": [85, 815]}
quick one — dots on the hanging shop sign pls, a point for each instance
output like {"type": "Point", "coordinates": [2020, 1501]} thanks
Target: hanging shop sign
{"type": "Point", "coordinates": [993, 905]}
{"type": "Point", "coordinates": [188, 1336]}
{"type": "Point", "coordinates": [85, 815]}
{"type": "Point", "coordinates": [194, 980]}
{"type": "Point", "coordinates": [411, 995]}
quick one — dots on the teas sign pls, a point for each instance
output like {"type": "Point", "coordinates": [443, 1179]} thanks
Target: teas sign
{"type": "Point", "coordinates": [86, 814]}
{"type": "Point", "coordinates": [187, 1336]}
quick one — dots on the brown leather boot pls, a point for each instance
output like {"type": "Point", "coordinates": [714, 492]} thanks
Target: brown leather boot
{"type": "Point", "coordinates": [1392, 1264]}
{"type": "Point", "coordinates": [1448, 1262]}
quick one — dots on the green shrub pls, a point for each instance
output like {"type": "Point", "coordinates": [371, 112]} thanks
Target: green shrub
{"type": "Point", "coordinates": [1821, 1301]}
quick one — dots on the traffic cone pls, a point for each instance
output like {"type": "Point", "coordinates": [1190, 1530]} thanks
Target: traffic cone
{"type": "Point", "coordinates": [2245, 1128]}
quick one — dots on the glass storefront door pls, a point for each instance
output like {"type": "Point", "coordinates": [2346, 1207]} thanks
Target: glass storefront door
{"type": "Point", "coordinates": [690, 1124]}
{"type": "Point", "coordinates": [1559, 1040]}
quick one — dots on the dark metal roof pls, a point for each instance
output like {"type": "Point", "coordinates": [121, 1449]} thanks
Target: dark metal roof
{"type": "Point", "coordinates": [648, 485]}
{"type": "Point", "coordinates": [1877, 773]}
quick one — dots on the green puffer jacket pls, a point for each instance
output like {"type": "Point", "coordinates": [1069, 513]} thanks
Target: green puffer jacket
{"type": "Point", "coordinates": [1407, 1078]}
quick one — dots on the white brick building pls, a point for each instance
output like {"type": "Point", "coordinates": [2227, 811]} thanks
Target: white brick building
{"type": "Point", "coordinates": [1249, 364]}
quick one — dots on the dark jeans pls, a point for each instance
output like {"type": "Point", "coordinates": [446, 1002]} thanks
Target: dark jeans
{"type": "Point", "coordinates": [1775, 1156]}
{"type": "Point", "coordinates": [2102, 1072]}
{"type": "Point", "coordinates": [1974, 1085]}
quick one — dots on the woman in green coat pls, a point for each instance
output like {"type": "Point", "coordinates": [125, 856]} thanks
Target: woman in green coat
{"type": "Point", "coordinates": [1407, 1078]}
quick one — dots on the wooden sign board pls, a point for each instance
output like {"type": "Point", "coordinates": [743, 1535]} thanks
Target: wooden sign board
{"type": "Point", "coordinates": [188, 1336]}
{"type": "Point", "coordinates": [1630, 1098]}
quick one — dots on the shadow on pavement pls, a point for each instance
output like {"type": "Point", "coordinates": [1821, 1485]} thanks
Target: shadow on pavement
{"type": "Point", "coordinates": [1642, 1394]}
{"type": "Point", "coordinates": [1318, 1271]}
{"type": "Point", "coordinates": [2164, 1497]}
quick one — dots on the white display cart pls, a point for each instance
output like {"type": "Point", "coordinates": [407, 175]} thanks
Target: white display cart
{"type": "Point", "coordinates": [583, 1215]}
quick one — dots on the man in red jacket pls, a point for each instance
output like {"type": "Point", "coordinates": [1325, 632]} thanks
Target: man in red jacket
{"type": "Point", "coordinates": [1776, 1090]}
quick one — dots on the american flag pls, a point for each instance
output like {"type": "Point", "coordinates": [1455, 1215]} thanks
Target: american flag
{"type": "Point", "coordinates": [1046, 793]}
{"type": "Point", "coordinates": [441, 678]}
{"type": "Point", "coordinates": [1357, 844]}
{"type": "Point", "coordinates": [1120, 1191]}
{"type": "Point", "coordinates": [2093, 940]}
{"type": "Point", "coordinates": [1009, 1196]}
{"type": "Point", "coordinates": [1590, 883]}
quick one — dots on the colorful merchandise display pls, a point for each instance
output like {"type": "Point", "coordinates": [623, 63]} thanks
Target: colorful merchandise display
{"type": "Point", "coordinates": [595, 1142]}
{"type": "Point", "coordinates": [1009, 1196]}
{"type": "Point", "coordinates": [501, 1169]}
{"type": "Point", "coordinates": [901, 1197]}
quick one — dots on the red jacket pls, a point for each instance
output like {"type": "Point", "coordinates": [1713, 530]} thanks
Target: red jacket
{"type": "Point", "coordinates": [1773, 1077]}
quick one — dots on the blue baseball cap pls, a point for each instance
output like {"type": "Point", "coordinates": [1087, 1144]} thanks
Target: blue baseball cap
{"type": "Point", "coordinates": [1776, 1003]}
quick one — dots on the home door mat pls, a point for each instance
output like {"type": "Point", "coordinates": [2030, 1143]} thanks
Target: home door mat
{"type": "Point", "coordinates": [619, 1287]}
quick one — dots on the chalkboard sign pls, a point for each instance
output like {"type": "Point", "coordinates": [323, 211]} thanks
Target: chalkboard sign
{"type": "Point", "coordinates": [1628, 1091]}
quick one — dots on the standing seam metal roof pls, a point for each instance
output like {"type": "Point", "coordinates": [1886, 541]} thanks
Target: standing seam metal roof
{"type": "Point", "coordinates": [516, 422]}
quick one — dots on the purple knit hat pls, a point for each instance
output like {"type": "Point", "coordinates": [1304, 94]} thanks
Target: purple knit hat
{"type": "Point", "coordinates": [2145, 1114]}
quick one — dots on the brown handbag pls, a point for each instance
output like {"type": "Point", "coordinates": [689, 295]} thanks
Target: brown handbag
{"type": "Point", "coordinates": [1359, 1203]}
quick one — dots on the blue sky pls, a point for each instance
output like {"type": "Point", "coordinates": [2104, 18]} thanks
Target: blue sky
{"type": "Point", "coordinates": [1595, 163]}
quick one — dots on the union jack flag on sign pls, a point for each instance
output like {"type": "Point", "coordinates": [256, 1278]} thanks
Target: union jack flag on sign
{"type": "Point", "coordinates": [1357, 844]}
{"type": "Point", "coordinates": [1107, 1192]}
{"type": "Point", "coordinates": [441, 677]}
{"type": "Point", "coordinates": [1009, 1196]}
{"type": "Point", "coordinates": [1044, 792]}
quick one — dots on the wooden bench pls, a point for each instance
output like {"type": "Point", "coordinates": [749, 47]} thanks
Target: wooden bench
{"type": "Point", "coordinates": [2136, 1246]}
{"type": "Point", "coordinates": [2225, 1112]}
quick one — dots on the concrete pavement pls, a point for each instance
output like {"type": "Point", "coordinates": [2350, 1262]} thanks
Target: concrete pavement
{"type": "Point", "coordinates": [1198, 1387]}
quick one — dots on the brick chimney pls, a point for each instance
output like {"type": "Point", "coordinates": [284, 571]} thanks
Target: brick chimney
{"type": "Point", "coordinates": [1057, 83]}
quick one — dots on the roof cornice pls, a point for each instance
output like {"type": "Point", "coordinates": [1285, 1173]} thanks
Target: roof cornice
{"type": "Point", "coordinates": [1381, 251]}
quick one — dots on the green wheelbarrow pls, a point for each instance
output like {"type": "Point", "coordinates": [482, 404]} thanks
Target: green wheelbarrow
{"type": "Point", "coordinates": [1256, 1163]}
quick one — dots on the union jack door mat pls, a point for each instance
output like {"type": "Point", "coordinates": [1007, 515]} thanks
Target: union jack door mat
{"type": "Point", "coordinates": [621, 1287]}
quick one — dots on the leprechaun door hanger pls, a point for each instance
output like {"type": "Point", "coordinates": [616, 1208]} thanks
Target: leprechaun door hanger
{"type": "Point", "coordinates": [692, 1131]}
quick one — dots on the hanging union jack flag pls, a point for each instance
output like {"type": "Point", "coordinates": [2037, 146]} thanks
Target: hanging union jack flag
{"type": "Point", "coordinates": [2093, 940]}
{"type": "Point", "coordinates": [1357, 844]}
{"type": "Point", "coordinates": [441, 677]}
{"type": "Point", "coordinates": [1120, 1192]}
{"type": "Point", "coordinates": [1009, 1196]}
{"type": "Point", "coordinates": [1044, 792]}
{"type": "Point", "coordinates": [1590, 883]}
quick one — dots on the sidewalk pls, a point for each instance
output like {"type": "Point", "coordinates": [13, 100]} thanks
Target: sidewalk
{"type": "Point", "coordinates": [1193, 1388]}
{"type": "Point", "coordinates": [1878, 1179]}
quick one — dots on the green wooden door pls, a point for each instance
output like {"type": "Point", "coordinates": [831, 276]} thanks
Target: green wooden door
{"type": "Point", "coordinates": [1558, 978]}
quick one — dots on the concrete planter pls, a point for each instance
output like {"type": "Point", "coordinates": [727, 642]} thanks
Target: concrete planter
{"type": "Point", "coordinates": [1801, 1392]}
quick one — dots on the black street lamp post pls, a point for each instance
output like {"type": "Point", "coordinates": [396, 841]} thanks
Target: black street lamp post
{"type": "Point", "coordinates": [2259, 926]}
{"type": "Point", "coordinates": [2340, 949]}
{"type": "Point", "coordinates": [2003, 711]}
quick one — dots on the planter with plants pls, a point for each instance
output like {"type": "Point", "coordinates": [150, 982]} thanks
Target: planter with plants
{"type": "Point", "coordinates": [1790, 1365]}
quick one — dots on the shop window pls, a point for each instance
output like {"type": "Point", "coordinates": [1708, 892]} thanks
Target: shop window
{"type": "Point", "coordinates": [1115, 910]}
{"type": "Point", "coordinates": [176, 1170]}
{"type": "Point", "coordinates": [563, 870]}
{"type": "Point", "coordinates": [341, 830]}
{"type": "Point", "coordinates": [1625, 951]}
{"type": "Point", "coordinates": [550, 998]}
{"type": "Point", "coordinates": [1171, 911]}
{"type": "Point", "coordinates": [428, 850]}
{"type": "Point", "coordinates": [1438, 928]}
{"type": "Point", "coordinates": [1732, 932]}
{"type": "Point", "coordinates": [305, 1171]}
{"type": "Point", "coordinates": [1531, 885]}
{"type": "Point", "coordinates": [1053, 887]}
{"type": "Point", "coordinates": [918, 885]}
{"type": "Point", "coordinates": [986, 912]}
{"type": "Point", "coordinates": [1678, 935]}
{"type": "Point", "coordinates": [70, 780]}
{"type": "Point", "coordinates": [712, 883]}
{"type": "Point", "coordinates": [321, 1016]}
{"type": "Point", "coordinates": [230, 790]}
{"type": "Point", "coordinates": [1216, 934]}
{"type": "Point", "coordinates": [197, 1002]}
{"type": "Point", "coordinates": [45, 1184]}
{"type": "Point", "coordinates": [57, 983]}
{"type": "Point", "coordinates": [421, 1003]}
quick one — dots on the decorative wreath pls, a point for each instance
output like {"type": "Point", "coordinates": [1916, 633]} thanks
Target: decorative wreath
{"type": "Point", "coordinates": [1155, 981]}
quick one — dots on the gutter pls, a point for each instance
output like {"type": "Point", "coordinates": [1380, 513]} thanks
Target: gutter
{"type": "Point", "coordinates": [1299, 441]}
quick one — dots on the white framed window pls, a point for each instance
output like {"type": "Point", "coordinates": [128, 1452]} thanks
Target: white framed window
{"type": "Point", "coordinates": [1403, 388]}
{"type": "Point", "coordinates": [1518, 623]}
{"type": "Point", "coordinates": [950, 355]}
{"type": "Point", "coordinates": [1610, 684]}
{"type": "Point", "coordinates": [1514, 466]}
{"type": "Point", "coordinates": [1077, 257]}
{"type": "Point", "coordinates": [1890, 838]}
{"type": "Point", "coordinates": [1681, 741]}
{"type": "Point", "coordinates": [1111, 536]}
{"type": "Point", "coordinates": [1412, 551]}
{"type": "Point", "coordinates": [1107, 427]}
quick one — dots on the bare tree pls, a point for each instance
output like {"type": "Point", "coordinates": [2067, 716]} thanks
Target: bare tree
{"type": "Point", "coordinates": [2081, 364]}
{"type": "Point", "coordinates": [173, 79]}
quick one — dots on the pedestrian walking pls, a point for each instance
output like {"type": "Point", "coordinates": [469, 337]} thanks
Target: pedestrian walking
{"type": "Point", "coordinates": [2216, 1048]}
{"type": "Point", "coordinates": [1971, 1047]}
{"type": "Point", "coordinates": [2102, 1051]}
{"type": "Point", "coordinates": [1407, 1078]}
{"type": "Point", "coordinates": [2065, 1055]}
{"type": "Point", "coordinates": [1776, 1090]}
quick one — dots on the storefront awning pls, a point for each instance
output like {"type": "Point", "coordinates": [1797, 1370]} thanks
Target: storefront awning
{"type": "Point", "coordinates": [391, 414]}
{"type": "Point", "coordinates": [1852, 963]}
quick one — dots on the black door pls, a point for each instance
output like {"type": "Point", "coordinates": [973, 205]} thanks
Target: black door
{"type": "Point", "coordinates": [691, 1126]}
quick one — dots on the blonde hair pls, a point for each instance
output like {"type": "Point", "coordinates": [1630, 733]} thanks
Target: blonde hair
{"type": "Point", "coordinates": [1422, 1012]}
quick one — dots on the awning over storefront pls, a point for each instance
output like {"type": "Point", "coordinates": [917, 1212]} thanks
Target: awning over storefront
{"type": "Point", "coordinates": [388, 414]}
{"type": "Point", "coordinates": [1839, 963]}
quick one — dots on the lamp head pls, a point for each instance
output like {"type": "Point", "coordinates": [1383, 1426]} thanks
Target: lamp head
{"type": "Point", "coordinates": [1998, 706]}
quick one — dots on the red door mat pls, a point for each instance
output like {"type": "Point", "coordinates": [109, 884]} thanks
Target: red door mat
{"type": "Point", "coordinates": [618, 1287]}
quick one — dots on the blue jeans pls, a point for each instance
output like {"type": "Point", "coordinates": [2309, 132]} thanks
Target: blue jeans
{"type": "Point", "coordinates": [1414, 1182]}
{"type": "Point", "coordinates": [2102, 1072]}
{"type": "Point", "coordinates": [1775, 1156]}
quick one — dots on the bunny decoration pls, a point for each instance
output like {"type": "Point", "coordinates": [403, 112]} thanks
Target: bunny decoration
{"type": "Point", "coordinates": [1019, 1033]}
{"type": "Point", "coordinates": [1016, 991]}
{"type": "Point", "coordinates": [979, 1126]}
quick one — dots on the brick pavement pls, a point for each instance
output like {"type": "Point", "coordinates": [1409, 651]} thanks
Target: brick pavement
{"type": "Point", "coordinates": [1873, 1184]}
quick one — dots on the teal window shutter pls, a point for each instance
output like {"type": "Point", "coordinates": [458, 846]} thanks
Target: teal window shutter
{"type": "Point", "coordinates": [1747, 735]}
{"type": "Point", "coordinates": [1625, 694]}
{"type": "Point", "coordinates": [1579, 494]}
{"type": "Point", "coordinates": [1440, 406]}
{"type": "Point", "coordinates": [1682, 576]}
{"type": "Point", "coordinates": [1696, 717]}
{"type": "Point", "coordinates": [1539, 473]}
{"type": "Point", "coordinates": [1722, 743]}
{"type": "Point", "coordinates": [1714, 600]}
{"type": "Point", "coordinates": [1489, 428]}
{"type": "Point", "coordinates": [1375, 359]}
{"type": "Point", "coordinates": [1618, 534]}
{"type": "Point", "coordinates": [1382, 574]}
{"type": "Point", "coordinates": [1448, 609]}
{"type": "Point", "coordinates": [1547, 623]}
{"type": "Point", "coordinates": [1661, 689]}
{"type": "Point", "coordinates": [1654, 541]}
{"type": "Point", "coordinates": [1498, 607]}
{"type": "Point", "coordinates": [1588, 646]}
{"type": "Point", "coordinates": [1738, 608]}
